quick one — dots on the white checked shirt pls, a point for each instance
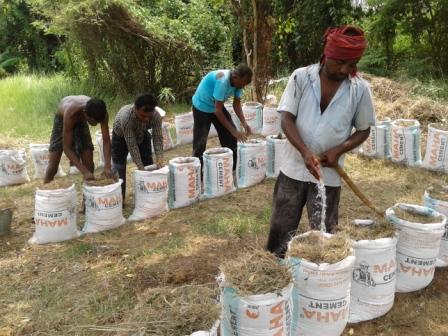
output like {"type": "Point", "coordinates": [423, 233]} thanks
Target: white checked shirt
{"type": "Point", "coordinates": [351, 106]}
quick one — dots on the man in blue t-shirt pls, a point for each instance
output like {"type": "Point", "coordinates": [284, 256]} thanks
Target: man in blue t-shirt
{"type": "Point", "coordinates": [208, 108]}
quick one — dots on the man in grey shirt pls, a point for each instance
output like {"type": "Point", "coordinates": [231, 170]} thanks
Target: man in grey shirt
{"type": "Point", "coordinates": [130, 135]}
{"type": "Point", "coordinates": [319, 108]}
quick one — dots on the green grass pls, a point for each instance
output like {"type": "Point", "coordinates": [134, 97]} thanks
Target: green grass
{"type": "Point", "coordinates": [28, 104]}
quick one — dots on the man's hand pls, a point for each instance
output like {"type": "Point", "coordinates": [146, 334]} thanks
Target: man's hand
{"type": "Point", "coordinates": [88, 176]}
{"type": "Point", "coordinates": [247, 129]}
{"type": "Point", "coordinates": [312, 164]}
{"type": "Point", "coordinates": [240, 136]}
{"type": "Point", "coordinates": [159, 163]}
{"type": "Point", "coordinates": [330, 157]}
{"type": "Point", "coordinates": [107, 172]}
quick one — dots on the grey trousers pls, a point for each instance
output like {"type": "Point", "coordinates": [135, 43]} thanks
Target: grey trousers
{"type": "Point", "coordinates": [290, 196]}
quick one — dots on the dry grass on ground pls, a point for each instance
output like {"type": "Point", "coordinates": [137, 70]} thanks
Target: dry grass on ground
{"type": "Point", "coordinates": [97, 284]}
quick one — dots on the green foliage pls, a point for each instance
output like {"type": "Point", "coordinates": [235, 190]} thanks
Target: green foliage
{"type": "Point", "coordinates": [166, 96]}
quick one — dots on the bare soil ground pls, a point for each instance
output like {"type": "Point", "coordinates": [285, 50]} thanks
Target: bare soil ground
{"type": "Point", "coordinates": [103, 284]}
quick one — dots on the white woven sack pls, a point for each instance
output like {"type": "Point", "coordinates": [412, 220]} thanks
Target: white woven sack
{"type": "Point", "coordinates": [436, 155]}
{"type": "Point", "coordinates": [167, 139]}
{"type": "Point", "coordinates": [256, 315]}
{"type": "Point", "coordinates": [271, 120]}
{"type": "Point", "coordinates": [184, 128]}
{"type": "Point", "coordinates": [417, 248]}
{"type": "Point", "coordinates": [275, 148]}
{"type": "Point", "coordinates": [235, 119]}
{"type": "Point", "coordinates": [184, 181]}
{"type": "Point", "coordinates": [55, 216]}
{"type": "Point", "coordinates": [321, 295]}
{"type": "Point", "coordinates": [41, 156]}
{"type": "Point", "coordinates": [213, 133]}
{"type": "Point", "coordinates": [405, 142]}
{"type": "Point", "coordinates": [218, 173]}
{"type": "Point", "coordinates": [442, 207]}
{"type": "Point", "coordinates": [13, 167]}
{"type": "Point", "coordinates": [150, 192]}
{"type": "Point", "coordinates": [253, 113]}
{"type": "Point", "coordinates": [104, 207]}
{"type": "Point", "coordinates": [374, 279]}
{"type": "Point", "coordinates": [251, 163]}
{"type": "Point", "coordinates": [377, 144]}
{"type": "Point", "coordinates": [99, 142]}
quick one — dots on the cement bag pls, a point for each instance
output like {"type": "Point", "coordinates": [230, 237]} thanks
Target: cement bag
{"type": "Point", "coordinates": [235, 119]}
{"type": "Point", "coordinates": [167, 139]}
{"type": "Point", "coordinates": [417, 248]}
{"type": "Point", "coordinates": [251, 163]}
{"type": "Point", "coordinates": [13, 167]}
{"type": "Point", "coordinates": [213, 132]}
{"type": "Point", "coordinates": [405, 142]}
{"type": "Point", "coordinates": [440, 205]}
{"type": "Point", "coordinates": [377, 144]}
{"type": "Point", "coordinates": [436, 155]}
{"type": "Point", "coordinates": [255, 315]}
{"type": "Point", "coordinates": [184, 128]}
{"type": "Point", "coordinates": [321, 295]}
{"type": "Point", "coordinates": [374, 278]}
{"type": "Point", "coordinates": [99, 142]}
{"type": "Point", "coordinates": [275, 146]}
{"type": "Point", "coordinates": [212, 332]}
{"type": "Point", "coordinates": [218, 174]}
{"type": "Point", "coordinates": [271, 120]}
{"type": "Point", "coordinates": [40, 157]}
{"type": "Point", "coordinates": [73, 170]}
{"type": "Point", "coordinates": [150, 192]}
{"type": "Point", "coordinates": [55, 216]}
{"type": "Point", "coordinates": [184, 181]}
{"type": "Point", "coordinates": [253, 113]}
{"type": "Point", "coordinates": [104, 207]}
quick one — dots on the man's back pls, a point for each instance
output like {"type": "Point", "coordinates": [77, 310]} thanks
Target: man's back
{"type": "Point", "coordinates": [72, 104]}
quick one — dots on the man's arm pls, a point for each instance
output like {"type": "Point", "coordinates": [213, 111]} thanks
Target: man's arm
{"type": "Point", "coordinates": [157, 139]}
{"type": "Point", "coordinates": [67, 144]}
{"type": "Point", "coordinates": [106, 145]}
{"type": "Point", "coordinates": [330, 157]}
{"type": "Point", "coordinates": [239, 112]}
{"type": "Point", "coordinates": [292, 133]}
{"type": "Point", "coordinates": [219, 105]}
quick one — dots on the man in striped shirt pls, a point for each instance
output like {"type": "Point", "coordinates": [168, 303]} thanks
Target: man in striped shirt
{"type": "Point", "coordinates": [130, 135]}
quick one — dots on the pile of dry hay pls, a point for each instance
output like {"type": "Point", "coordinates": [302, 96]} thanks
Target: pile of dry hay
{"type": "Point", "coordinates": [256, 272]}
{"type": "Point", "coordinates": [380, 229]}
{"type": "Point", "coordinates": [56, 184]}
{"type": "Point", "coordinates": [319, 249]}
{"type": "Point", "coordinates": [438, 192]}
{"type": "Point", "coordinates": [101, 182]}
{"type": "Point", "coordinates": [168, 311]}
{"type": "Point", "coordinates": [6, 203]}
{"type": "Point", "coordinates": [392, 99]}
{"type": "Point", "coordinates": [414, 217]}
{"type": "Point", "coordinates": [8, 143]}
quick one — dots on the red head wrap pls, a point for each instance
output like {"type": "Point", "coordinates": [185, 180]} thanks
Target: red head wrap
{"type": "Point", "coordinates": [344, 47]}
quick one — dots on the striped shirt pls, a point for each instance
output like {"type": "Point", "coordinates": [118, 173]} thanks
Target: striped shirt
{"type": "Point", "coordinates": [129, 127]}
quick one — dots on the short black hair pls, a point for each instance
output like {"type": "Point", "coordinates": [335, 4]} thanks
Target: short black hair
{"type": "Point", "coordinates": [243, 71]}
{"type": "Point", "coordinates": [146, 101]}
{"type": "Point", "coordinates": [96, 109]}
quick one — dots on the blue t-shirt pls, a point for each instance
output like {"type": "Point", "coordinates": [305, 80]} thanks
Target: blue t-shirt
{"type": "Point", "coordinates": [215, 86]}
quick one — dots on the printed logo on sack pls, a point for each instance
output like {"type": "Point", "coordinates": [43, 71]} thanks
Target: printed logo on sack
{"type": "Point", "coordinates": [270, 119]}
{"type": "Point", "coordinates": [256, 162]}
{"type": "Point", "coordinates": [103, 203]}
{"type": "Point", "coordinates": [398, 143]}
{"type": "Point", "coordinates": [185, 131]}
{"type": "Point", "coordinates": [224, 174]}
{"type": "Point", "coordinates": [362, 275]}
{"type": "Point", "coordinates": [50, 219]}
{"type": "Point", "coordinates": [316, 311]}
{"type": "Point", "coordinates": [152, 187]}
{"type": "Point", "coordinates": [192, 182]}
{"type": "Point", "coordinates": [277, 319]}
{"type": "Point", "coordinates": [416, 271]}
{"type": "Point", "coordinates": [42, 159]}
{"type": "Point", "coordinates": [13, 168]}
{"type": "Point", "coordinates": [370, 143]}
{"type": "Point", "coordinates": [437, 153]}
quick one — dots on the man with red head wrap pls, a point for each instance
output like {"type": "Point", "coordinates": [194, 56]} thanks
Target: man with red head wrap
{"type": "Point", "coordinates": [320, 106]}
